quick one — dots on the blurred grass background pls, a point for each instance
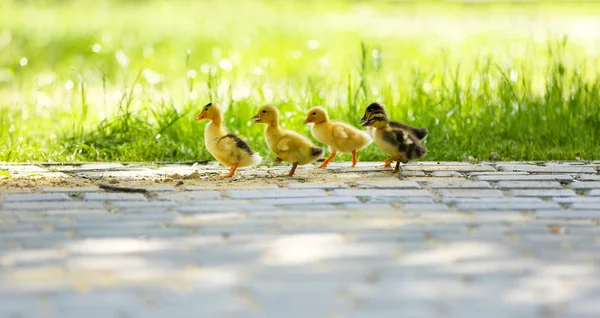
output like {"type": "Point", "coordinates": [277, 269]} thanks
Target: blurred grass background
{"type": "Point", "coordinates": [122, 80]}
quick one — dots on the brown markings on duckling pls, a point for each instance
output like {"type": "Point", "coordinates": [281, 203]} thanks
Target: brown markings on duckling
{"type": "Point", "coordinates": [376, 108]}
{"type": "Point", "coordinates": [240, 143]}
{"type": "Point", "coordinates": [316, 151]}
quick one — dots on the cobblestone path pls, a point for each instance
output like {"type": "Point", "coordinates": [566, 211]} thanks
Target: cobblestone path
{"type": "Point", "coordinates": [443, 239]}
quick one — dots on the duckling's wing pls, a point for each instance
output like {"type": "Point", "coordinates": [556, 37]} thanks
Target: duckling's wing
{"type": "Point", "coordinates": [284, 144]}
{"type": "Point", "coordinates": [341, 132]}
{"type": "Point", "coordinates": [420, 133]}
{"type": "Point", "coordinates": [231, 141]}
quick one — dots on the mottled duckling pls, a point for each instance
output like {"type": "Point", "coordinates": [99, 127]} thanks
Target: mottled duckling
{"type": "Point", "coordinates": [229, 149]}
{"type": "Point", "coordinates": [340, 137]}
{"type": "Point", "coordinates": [401, 144]}
{"type": "Point", "coordinates": [376, 108]}
{"type": "Point", "coordinates": [286, 144]}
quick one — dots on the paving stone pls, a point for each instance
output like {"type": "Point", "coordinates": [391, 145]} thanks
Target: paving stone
{"type": "Point", "coordinates": [541, 193]}
{"type": "Point", "coordinates": [324, 186]}
{"type": "Point", "coordinates": [594, 193]}
{"type": "Point", "coordinates": [447, 174]}
{"type": "Point", "coordinates": [22, 168]}
{"type": "Point", "coordinates": [69, 190]}
{"type": "Point", "coordinates": [542, 205]}
{"type": "Point", "coordinates": [36, 206]}
{"type": "Point", "coordinates": [114, 197]}
{"type": "Point", "coordinates": [161, 189]}
{"type": "Point", "coordinates": [98, 210]}
{"type": "Point", "coordinates": [452, 167]}
{"type": "Point", "coordinates": [226, 208]}
{"type": "Point", "coordinates": [563, 178]}
{"type": "Point", "coordinates": [367, 206]}
{"type": "Point", "coordinates": [314, 208]}
{"type": "Point", "coordinates": [460, 184]}
{"type": "Point", "coordinates": [143, 204]}
{"type": "Point", "coordinates": [414, 173]}
{"type": "Point", "coordinates": [507, 185]}
{"type": "Point", "coordinates": [546, 169]}
{"type": "Point", "coordinates": [388, 184]}
{"type": "Point", "coordinates": [100, 166]}
{"type": "Point", "coordinates": [585, 185]}
{"type": "Point", "coordinates": [36, 197]}
{"type": "Point", "coordinates": [189, 196]}
{"type": "Point", "coordinates": [316, 200]}
{"type": "Point", "coordinates": [424, 207]}
{"type": "Point", "coordinates": [495, 173]}
{"type": "Point", "coordinates": [132, 174]}
{"type": "Point", "coordinates": [574, 214]}
{"type": "Point", "coordinates": [470, 193]}
{"type": "Point", "coordinates": [585, 206]}
{"type": "Point", "coordinates": [395, 199]}
{"type": "Point", "coordinates": [440, 163]}
{"type": "Point", "coordinates": [381, 193]}
{"type": "Point", "coordinates": [588, 177]}
{"type": "Point", "coordinates": [491, 200]}
{"type": "Point", "coordinates": [281, 193]}
{"type": "Point", "coordinates": [578, 198]}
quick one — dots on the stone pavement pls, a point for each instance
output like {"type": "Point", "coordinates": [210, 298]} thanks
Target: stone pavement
{"type": "Point", "coordinates": [443, 239]}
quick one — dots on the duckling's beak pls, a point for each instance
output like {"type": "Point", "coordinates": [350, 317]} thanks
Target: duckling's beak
{"type": "Point", "coordinates": [199, 117]}
{"type": "Point", "coordinates": [365, 123]}
{"type": "Point", "coordinates": [363, 120]}
{"type": "Point", "coordinates": [256, 119]}
{"type": "Point", "coordinates": [307, 120]}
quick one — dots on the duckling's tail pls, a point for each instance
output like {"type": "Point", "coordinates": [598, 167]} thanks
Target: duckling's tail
{"type": "Point", "coordinates": [415, 150]}
{"type": "Point", "coordinates": [316, 152]}
{"type": "Point", "coordinates": [420, 133]}
{"type": "Point", "coordinates": [256, 159]}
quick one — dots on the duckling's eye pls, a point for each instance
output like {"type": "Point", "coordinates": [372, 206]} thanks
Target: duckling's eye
{"type": "Point", "coordinates": [206, 109]}
{"type": "Point", "coordinates": [315, 113]}
{"type": "Point", "coordinates": [264, 112]}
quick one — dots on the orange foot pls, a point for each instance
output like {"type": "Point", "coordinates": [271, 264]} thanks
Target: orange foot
{"type": "Point", "coordinates": [326, 162]}
{"type": "Point", "coordinates": [231, 172]}
{"type": "Point", "coordinates": [354, 159]}
{"type": "Point", "coordinates": [387, 163]}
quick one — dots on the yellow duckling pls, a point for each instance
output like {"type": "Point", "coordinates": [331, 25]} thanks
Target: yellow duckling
{"type": "Point", "coordinates": [401, 144]}
{"type": "Point", "coordinates": [376, 108]}
{"type": "Point", "coordinates": [338, 136]}
{"type": "Point", "coordinates": [229, 149]}
{"type": "Point", "coordinates": [286, 144]}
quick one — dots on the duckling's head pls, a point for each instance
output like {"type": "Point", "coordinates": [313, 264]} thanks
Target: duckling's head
{"type": "Point", "coordinates": [377, 121]}
{"type": "Point", "coordinates": [267, 114]}
{"type": "Point", "coordinates": [210, 111]}
{"type": "Point", "coordinates": [316, 115]}
{"type": "Point", "coordinates": [372, 110]}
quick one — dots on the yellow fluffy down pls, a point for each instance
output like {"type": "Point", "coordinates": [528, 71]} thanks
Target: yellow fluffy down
{"type": "Point", "coordinates": [340, 137]}
{"type": "Point", "coordinates": [291, 146]}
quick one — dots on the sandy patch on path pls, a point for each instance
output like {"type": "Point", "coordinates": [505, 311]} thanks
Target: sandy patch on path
{"type": "Point", "coordinates": [204, 179]}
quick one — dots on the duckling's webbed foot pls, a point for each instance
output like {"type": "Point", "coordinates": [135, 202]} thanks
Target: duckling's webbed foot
{"type": "Point", "coordinates": [397, 169]}
{"type": "Point", "coordinates": [326, 162]}
{"type": "Point", "coordinates": [294, 166]}
{"type": "Point", "coordinates": [231, 172]}
{"type": "Point", "coordinates": [387, 163]}
{"type": "Point", "coordinates": [354, 159]}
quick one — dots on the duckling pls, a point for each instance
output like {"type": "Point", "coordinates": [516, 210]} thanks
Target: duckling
{"type": "Point", "coordinates": [401, 144]}
{"type": "Point", "coordinates": [229, 149]}
{"type": "Point", "coordinates": [376, 108]}
{"type": "Point", "coordinates": [286, 144]}
{"type": "Point", "coordinates": [338, 136]}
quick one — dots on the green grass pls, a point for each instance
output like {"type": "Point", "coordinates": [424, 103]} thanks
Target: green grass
{"type": "Point", "coordinates": [489, 81]}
